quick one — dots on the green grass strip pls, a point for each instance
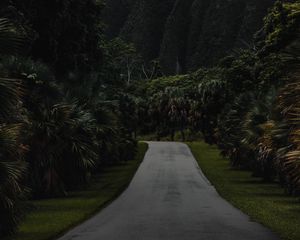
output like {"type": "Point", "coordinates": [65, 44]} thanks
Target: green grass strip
{"type": "Point", "coordinates": [263, 202]}
{"type": "Point", "coordinates": [52, 217]}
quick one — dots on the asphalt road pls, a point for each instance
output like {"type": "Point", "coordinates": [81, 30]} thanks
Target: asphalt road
{"type": "Point", "coordinates": [170, 199]}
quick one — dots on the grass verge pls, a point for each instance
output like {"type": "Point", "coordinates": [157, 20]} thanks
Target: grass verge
{"type": "Point", "coordinates": [52, 217]}
{"type": "Point", "coordinates": [263, 202]}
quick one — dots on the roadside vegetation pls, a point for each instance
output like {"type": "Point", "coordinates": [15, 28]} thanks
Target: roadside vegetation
{"type": "Point", "coordinates": [247, 105]}
{"type": "Point", "coordinates": [73, 101]}
{"type": "Point", "coordinates": [264, 202]}
{"type": "Point", "coordinates": [49, 218]}
{"type": "Point", "coordinates": [62, 118]}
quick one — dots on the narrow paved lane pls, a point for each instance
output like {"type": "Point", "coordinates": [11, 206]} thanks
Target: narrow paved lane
{"type": "Point", "coordinates": [170, 199]}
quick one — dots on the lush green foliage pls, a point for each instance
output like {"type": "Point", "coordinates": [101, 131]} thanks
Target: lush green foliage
{"type": "Point", "coordinates": [247, 104]}
{"type": "Point", "coordinates": [81, 99]}
{"type": "Point", "coordinates": [51, 217]}
{"type": "Point", "coordinates": [253, 129]}
{"type": "Point", "coordinates": [12, 167]}
{"type": "Point", "coordinates": [60, 118]}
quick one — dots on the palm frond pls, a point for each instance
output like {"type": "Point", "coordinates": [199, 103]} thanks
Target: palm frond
{"type": "Point", "coordinates": [11, 41]}
{"type": "Point", "coordinates": [12, 170]}
{"type": "Point", "coordinates": [289, 104]}
{"type": "Point", "coordinates": [11, 91]}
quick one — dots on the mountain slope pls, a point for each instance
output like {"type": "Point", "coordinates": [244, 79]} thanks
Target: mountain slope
{"type": "Point", "coordinates": [186, 34]}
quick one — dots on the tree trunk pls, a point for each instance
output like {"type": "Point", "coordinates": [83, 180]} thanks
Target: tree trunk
{"type": "Point", "coordinates": [182, 135]}
{"type": "Point", "coordinates": [172, 135]}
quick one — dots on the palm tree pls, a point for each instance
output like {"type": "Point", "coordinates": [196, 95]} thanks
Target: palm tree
{"type": "Point", "coordinates": [258, 130]}
{"type": "Point", "coordinates": [178, 111]}
{"type": "Point", "coordinates": [12, 170]}
{"type": "Point", "coordinates": [12, 167]}
{"type": "Point", "coordinates": [289, 104]}
{"type": "Point", "coordinates": [63, 149]}
{"type": "Point", "coordinates": [10, 89]}
{"type": "Point", "coordinates": [230, 129]}
{"type": "Point", "coordinates": [158, 112]}
{"type": "Point", "coordinates": [213, 93]}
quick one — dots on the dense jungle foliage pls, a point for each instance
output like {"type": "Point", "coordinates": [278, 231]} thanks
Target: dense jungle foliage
{"type": "Point", "coordinates": [61, 120]}
{"type": "Point", "coordinates": [80, 80]}
{"type": "Point", "coordinates": [247, 104]}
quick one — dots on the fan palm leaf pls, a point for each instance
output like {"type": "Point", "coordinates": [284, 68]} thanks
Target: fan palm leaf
{"type": "Point", "coordinates": [289, 104]}
{"type": "Point", "coordinates": [10, 95]}
{"type": "Point", "coordinates": [63, 148]}
{"type": "Point", "coordinates": [11, 41]}
{"type": "Point", "coordinates": [12, 170]}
